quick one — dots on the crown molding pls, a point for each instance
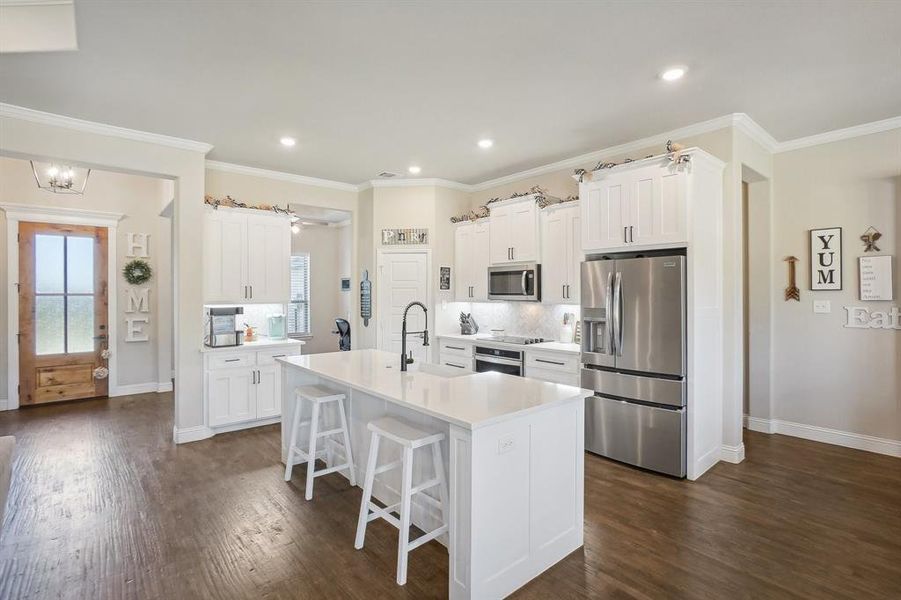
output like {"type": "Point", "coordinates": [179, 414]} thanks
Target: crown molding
{"type": "Point", "coordinates": [59, 214]}
{"type": "Point", "coordinates": [750, 127]}
{"type": "Point", "coordinates": [216, 165]}
{"type": "Point", "coordinates": [44, 118]}
{"type": "Point", "coordinates": [841, 134]}
{"type": "Point", "coordinates": [434, 182]}
{"type": "Point", "coordinates": [597, 155]}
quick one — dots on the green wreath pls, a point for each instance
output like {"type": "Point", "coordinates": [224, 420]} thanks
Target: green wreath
{"type": "Point", "coordinates": [137, 271]}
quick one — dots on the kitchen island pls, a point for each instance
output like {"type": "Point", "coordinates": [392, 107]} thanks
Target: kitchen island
{"type": "Point", "coordinates": [514, 452]}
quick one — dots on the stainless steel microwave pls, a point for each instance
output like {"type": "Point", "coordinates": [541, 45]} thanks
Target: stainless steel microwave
{"type": "Point", "coordinates": [515, 282]}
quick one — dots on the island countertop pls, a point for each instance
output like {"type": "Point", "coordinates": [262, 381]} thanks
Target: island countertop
{"type": "Point", "coordinates": [468, 401]}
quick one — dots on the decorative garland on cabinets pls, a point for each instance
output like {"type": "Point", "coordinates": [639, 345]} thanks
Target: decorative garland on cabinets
{"type": "Point", "coordinates": [230, 202]}
{"type": "Point", "coordinates": [542, 199]}
{"type": "Point", "coordinates": [673, 151]}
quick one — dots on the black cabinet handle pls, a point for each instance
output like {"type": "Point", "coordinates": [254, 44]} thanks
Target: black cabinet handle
{"type": "Point", "coordinates": [631, 232]}
{"type": "Point", "coordinates": [232, 359]}
{"type": "Point", "coordinates": [625, 235]}
{"type": "Point", "coordinates": [455, 347]}
{"type": "Point", "coordinates": [453, 365]}
{"type": "Point", "coordinates": [550, 362]}
{"type": "Point", "coordinates": [278, 355]}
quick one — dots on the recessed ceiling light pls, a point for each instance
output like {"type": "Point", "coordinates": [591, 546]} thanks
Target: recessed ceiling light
{"type": "Point", "coordinates": [414, 170]}
{"type": "Point", "coordinates": [486, 143]}
{"type": "Point", "coordinates": [673, 74]}
{"type": "Point", "coordinates": [288, 141]}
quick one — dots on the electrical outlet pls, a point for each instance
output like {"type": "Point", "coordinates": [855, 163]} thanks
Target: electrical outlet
{"type": "Point", "coordinates": [822, 306]}
{"type": "Point", "coordinates": [505, 444]}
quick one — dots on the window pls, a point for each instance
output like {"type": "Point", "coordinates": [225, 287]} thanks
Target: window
{"type": "Point", "coordinates": [64, 294]}
{"type": "Point", "coordinates": [299, 307]}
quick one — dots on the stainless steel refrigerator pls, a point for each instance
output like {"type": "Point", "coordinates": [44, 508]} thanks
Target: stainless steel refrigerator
{"type": "Point", "coordinates": [634, 358]}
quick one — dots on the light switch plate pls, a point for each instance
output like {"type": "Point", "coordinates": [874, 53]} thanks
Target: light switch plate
{"type": "Point", "coordinates": [505, 444]}
{"type": "Point", "coordinates": [822, 306]}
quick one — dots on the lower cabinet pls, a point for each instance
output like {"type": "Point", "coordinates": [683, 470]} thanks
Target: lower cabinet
{"type": "Point", "coordinates": [244, 386]}
{"type": "Point", "coordinates": [555, 367]}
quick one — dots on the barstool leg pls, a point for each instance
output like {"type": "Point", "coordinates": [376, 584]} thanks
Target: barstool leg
{"type": "Point", "coordinates": [292, 441]}
{"type": "Point", "coordinates": [442, 478]}
{"type": "Point", "coordinates": [406, 496]}
{"type": "Point", "coordinates": [348, 455]}
{"type": "Point", "coordinates": [363, 520]}
{"type": "Point", "coordinates": [311, 453]}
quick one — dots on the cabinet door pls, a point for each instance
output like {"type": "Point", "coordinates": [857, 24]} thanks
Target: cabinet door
{"type": "Point", "coordinates": [554, 265]}
{"type": "Point", "coordinates": [572, 223]}
{"type": "Point", "coordinates": [463, 253]}
{"type": "Point", "coordinates": [224, 259]}
{"type": "Point", "coordinates": [268, 391]}
{"type": "Point", "coordinates": [478, 263]}
{"type": "Point", "coordinates": [499, 240]}
{"type": "Point", "coordinates": [657, 207]}
{"type": "Point", "coordinates": [605, 214]}
{"type": "Point", "coordinates": [524, 231]}
{"type": "Point", "coordinates": [268, 259]}
{"type": "Point", "coordinates": [232, 397]}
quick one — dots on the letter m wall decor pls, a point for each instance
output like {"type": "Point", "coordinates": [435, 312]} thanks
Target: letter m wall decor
{"type": "Point", "coordinates": [826, 259]}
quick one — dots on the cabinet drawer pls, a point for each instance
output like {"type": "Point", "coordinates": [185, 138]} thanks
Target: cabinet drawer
{"type": "Point", "coordinates": [567, 363]}
{"type": "Point", "coordinates": [231, 359]}
{"type": "Point", "coordinates": [268, 357]}
{"type": "Point", "coordinates": [460, 349]}
{"type": "Point", "coordinates": [456, 361]}
{"type": "Point", "coordinates": [552, 376]}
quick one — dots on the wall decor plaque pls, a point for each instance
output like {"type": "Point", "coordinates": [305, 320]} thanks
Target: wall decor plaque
{"type": "Point", "coordinates": [826, 259]}
{"type": "Point", "coordinates": [876, 278]}
{"type": "Point", "coordinates": [405, 236]}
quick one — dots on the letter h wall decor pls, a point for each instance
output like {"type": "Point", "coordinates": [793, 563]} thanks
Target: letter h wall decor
{"type": "Point", "coordinates": [826, 259]}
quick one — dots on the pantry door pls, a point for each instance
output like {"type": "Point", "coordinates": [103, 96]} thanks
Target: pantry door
{"type": "Point", "coordinates": [62, 312]}
{"type": "Point", "coordinates": [403, 278]}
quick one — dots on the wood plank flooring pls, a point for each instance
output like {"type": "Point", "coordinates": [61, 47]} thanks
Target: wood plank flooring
{"type": "Point", "coordinates": [103, 505]}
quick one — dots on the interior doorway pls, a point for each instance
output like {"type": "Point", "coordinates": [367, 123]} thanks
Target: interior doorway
{"type": "Point", "coordinates": [403, 277]}
{"type": "Point", "coordinates": [63, 304]}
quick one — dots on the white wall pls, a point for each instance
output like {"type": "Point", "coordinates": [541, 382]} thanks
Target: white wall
{"type": "Point", "coordinates": [139, 199]}
{"type": "Point", "coordinates": [825, 375]}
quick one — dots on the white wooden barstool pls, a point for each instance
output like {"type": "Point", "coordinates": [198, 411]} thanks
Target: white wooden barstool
{"type": "Point", "coordinates": [409, 438]}
{"type": "Point", "coordinates": [317, 397]}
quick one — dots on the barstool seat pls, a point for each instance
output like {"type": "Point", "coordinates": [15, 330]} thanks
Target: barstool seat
{"type": "Point", "coordinates": [317, 397]}
{"type": "Point", "coordinates": [409, 438]}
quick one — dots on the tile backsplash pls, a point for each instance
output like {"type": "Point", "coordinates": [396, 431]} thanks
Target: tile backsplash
{"type": "Point", "coordinates": [515, 318]}
{"type": "Point", "coordinates": [257, 316]}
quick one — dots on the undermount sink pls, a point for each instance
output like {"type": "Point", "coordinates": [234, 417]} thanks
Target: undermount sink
{"type": "Point", "coordinates": [439, 370]}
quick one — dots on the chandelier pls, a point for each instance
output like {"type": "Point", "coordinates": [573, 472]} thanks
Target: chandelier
{"type": "Point", "coordinates": [60, 179]}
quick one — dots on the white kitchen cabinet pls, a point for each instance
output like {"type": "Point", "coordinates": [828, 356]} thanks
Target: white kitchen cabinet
{"type": "Point", "coordinates": [471, 248]}
{"type": "Point", "coordinates": [561, 253]}
{"type": "Point", "coordinates": [514, 231]}
{"type": "Point", "coordinates": [247, 256]}
{"type": "Point", "coordinates": [242, 385]}
{"type": "Point", "coordinates": [555, 367]}
{"type": "Point", "coordinates": [232, 396]}
{"type": "Point", "coordinates": [627, 207]}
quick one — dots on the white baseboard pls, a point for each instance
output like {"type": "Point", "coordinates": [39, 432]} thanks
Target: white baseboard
{"type": "Point", "coordinates": [191, 434]}
{"type": "Point", "coordinates": [858, 441]}
{"type": "Point", "coordinates": [733, 454]}
{"type": "Point", "coordinates": [703, 464]}
{"type": "Point", "coordinates": [4, 404]}
{"type": "Point", "coordinates": [245, 425]}
{"type": "Point", "coordinates": [151, 387]}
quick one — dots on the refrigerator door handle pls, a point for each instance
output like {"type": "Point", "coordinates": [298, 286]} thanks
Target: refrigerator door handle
{"type": "Point", "coordinates": [618, 312]}
{"type": "Point", "coordinates": [608, 310]}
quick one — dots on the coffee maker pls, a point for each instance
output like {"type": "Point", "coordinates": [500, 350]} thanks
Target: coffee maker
{"type": "Point", "coordinates": [222, 326]}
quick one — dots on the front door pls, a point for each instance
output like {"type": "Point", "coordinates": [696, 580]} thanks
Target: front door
{"type": "Point", "coordinates": [62, 312]}
{"type": "Point", "coordinates": [403, 278]}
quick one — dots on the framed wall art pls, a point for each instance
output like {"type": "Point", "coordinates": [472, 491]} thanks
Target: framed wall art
{"type": "Point", "coordinates": [826, 259]}
{"type": "Point", "coordinates": [444, 278]}
{"type": "Point", "coordinates": [876, 282]}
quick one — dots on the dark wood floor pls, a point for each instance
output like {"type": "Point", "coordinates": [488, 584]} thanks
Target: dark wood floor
{"type": "Point", "coordinates": [103, 505]}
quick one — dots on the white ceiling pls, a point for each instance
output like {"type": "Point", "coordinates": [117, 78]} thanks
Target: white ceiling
{"type": "Point", "coordinates": [373, 86]}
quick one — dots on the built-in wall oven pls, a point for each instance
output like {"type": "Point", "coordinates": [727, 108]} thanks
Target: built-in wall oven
{"type": "Point", "coordinates": [501, 360]}
{"type": "Point", "coordinates": [515, 282]}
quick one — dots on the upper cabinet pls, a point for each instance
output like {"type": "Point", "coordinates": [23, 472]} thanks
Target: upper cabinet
{"type": "Point", "coordinates": [561, 253]}
{"type": "Point", "coordinates": [471, 247]}
{"type": "Point", "coordinates": [514, 231]}
{"type": "Point", "coordinates": [639, 207]}
{"type": "Point", "coordinates": [247, 256]}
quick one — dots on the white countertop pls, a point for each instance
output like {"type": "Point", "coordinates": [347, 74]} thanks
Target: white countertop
{"type": "Point", "coordinates": [259, 343]}
{"type": "Point", "coordinates": [469, 401]}
{"type": "Point", "coordinates": [548, 346]}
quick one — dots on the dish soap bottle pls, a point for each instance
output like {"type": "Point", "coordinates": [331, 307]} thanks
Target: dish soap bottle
{"type": "Point", "coordinates": [566, 332]}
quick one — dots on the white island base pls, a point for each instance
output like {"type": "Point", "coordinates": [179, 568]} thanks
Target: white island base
{"type": "Point", "coordinates": [514, 450]}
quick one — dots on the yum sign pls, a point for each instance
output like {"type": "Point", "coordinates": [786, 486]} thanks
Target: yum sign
{"type": "Point", "coordinates": [826, 259]}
